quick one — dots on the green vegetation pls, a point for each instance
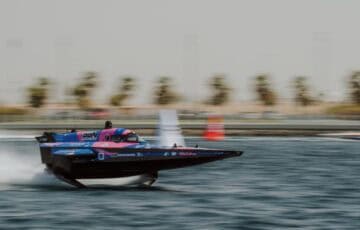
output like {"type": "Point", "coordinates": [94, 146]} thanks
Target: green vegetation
{"type": "Point", "coordinates": [354, 85]}
{"type": "Point", "coordinates": [38, 93]}
{"type": "Point", "coordinates": [82, 91]}
{"type": "Point", "coordinates": [221, 90]}
{"type": "Point", "coordinates": [164, 94]}
{"type": "Point", "coordinates": [302, 95]}
{"type": "Point", "coordinates": [264, 91]}
{"type": "Point", "coordinates": [125, 89]}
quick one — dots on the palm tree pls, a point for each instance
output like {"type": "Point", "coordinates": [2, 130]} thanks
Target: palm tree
{"type": "Point", "coordinates": [84, 88]}
{"type": "Point", "coordinates": [38, 93]}
{"type": "Point", "coordinates": [127, 85]}
{"type": "Point", "coordinates": [163, 93]}
{"type": "Point", "coordinates": [354, 85]}
{"type": "Point", "coordinates": [221, 90]}
{"type": "Point", "coordinates": [302, 95]}
{"type": "Point", "coordinates": [264, 91]}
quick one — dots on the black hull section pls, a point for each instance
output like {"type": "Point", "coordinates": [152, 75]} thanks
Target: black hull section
{"type": "Point", "coordinates": [89, 167]}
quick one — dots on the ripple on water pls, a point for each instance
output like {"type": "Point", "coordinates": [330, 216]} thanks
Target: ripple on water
{"type": "Point", "coordinates": [279, 183]}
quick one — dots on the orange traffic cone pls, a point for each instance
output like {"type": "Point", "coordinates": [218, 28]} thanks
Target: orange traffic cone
{"type": "Point", "coordinates": [215, 128]}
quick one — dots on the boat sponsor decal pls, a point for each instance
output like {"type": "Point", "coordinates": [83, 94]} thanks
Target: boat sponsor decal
{"type": "Point", "coordinates": [172, 154]}
{"type": "Point", "coordinates": [148, 154]}
{"type": "Point", "coordinates": [89, 136]}
{"type": "Point", "coordinates": [108, 154]}
{"type": "Point", "coordinates": [115, 155]}
{"type": "Point", "coordinates": [187, 154]}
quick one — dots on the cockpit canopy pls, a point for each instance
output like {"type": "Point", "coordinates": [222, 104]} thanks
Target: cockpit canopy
{"type": "Point", "coordinates": [131, 137]}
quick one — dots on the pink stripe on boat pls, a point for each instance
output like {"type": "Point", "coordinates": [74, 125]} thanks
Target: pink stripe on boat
{"type": "Point", "coordinates": [80, 135]}
{"type": "Point", "coordinates": [112, 144]}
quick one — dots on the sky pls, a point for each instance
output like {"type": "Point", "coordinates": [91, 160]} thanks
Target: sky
{"type": "Point", "coordinates": [189, 40]}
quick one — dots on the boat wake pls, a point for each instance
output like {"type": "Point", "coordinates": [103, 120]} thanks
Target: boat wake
{"type": "Point", "coordinates": [21, 170]}
{"type": "Point", "coordinates": [16, 136]}
{"type": "Point", "coordinates": [24, 170]}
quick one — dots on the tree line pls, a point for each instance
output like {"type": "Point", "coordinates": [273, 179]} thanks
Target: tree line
{"type": "Point", "coordinates": [165, 94]}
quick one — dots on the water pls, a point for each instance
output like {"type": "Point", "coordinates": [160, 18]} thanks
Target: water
{"type": "Point", "coordinates": [279, 183]}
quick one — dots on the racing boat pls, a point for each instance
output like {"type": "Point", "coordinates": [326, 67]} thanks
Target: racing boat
{"type": "Point", "coordinates": [117, 152]}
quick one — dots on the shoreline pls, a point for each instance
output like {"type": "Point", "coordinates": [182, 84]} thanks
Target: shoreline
{"type": "Point", "coordinates": [196, 128]}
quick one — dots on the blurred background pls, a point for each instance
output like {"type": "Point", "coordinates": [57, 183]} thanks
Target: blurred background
{"type": "Point", "coordinates": [124, 60]}
{"type": "Point", "coordinates": [232, 69]}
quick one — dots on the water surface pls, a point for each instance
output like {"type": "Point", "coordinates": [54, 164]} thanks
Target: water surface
{"type": "Point", "coordinates": [279, 183]}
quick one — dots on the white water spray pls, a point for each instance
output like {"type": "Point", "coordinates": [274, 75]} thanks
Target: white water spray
{"type": "Point", "coordinates": [16, 169]}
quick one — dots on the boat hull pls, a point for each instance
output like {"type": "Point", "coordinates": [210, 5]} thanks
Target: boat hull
{"type": "Point", "coordinates": [112, 163]}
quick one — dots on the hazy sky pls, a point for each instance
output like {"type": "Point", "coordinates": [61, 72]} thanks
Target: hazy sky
{"type": "Point", "coordinates": [189, 40]}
